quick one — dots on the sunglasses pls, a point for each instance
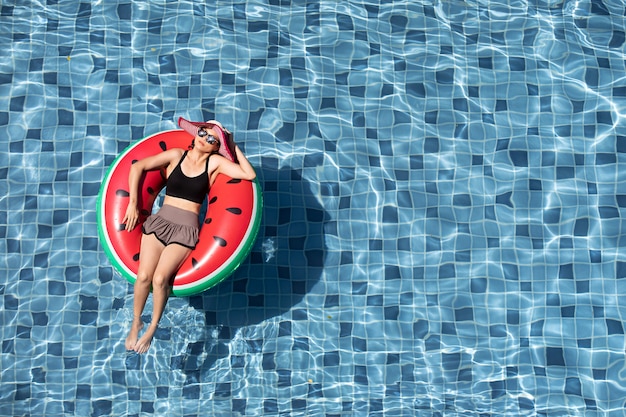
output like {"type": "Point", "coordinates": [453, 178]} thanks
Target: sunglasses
{"type": "Point", "coordinates": [211, 140]}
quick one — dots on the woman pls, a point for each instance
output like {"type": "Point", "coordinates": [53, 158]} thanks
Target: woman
{"type": "Point", "coordinates": [170, 235]}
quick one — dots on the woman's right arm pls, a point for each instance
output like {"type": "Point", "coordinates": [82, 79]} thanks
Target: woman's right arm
{"type": "Point", "coordinates": [163, 159]}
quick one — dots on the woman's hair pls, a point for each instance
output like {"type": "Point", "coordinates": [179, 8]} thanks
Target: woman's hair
{"type": "Point", "coordinates": [191, 145]}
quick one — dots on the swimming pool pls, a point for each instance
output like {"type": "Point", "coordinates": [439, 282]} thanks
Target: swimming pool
{"type": "Point", "coordinates": [443, 186]}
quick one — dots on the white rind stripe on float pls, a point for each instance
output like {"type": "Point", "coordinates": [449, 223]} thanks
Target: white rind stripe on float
{"type": "Point", "coordinates": [229, 261]}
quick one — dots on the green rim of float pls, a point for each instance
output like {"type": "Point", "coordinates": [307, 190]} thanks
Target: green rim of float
{"type": "Point", "coordinates": [227, 235]}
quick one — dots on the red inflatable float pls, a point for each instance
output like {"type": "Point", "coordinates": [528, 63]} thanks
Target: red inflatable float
{"type": "Point", "coordinates": [227, 233]}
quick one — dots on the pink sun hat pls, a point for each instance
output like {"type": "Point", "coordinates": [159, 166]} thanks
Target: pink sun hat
{"type": "Point", "coordinates": [227, 144]}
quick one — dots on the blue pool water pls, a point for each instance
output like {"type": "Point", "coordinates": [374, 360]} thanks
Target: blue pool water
{"type": "Point", "coordinates": [442, 232]}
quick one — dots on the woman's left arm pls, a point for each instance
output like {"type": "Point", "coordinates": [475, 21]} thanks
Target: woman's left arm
{"type": "Point", "coordinates": [243, 170]}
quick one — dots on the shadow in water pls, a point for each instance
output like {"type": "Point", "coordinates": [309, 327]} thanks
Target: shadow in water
{"type": "Point", "coordinates": [285, 262]}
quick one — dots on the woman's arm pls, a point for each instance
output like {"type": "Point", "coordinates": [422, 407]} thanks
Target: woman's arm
{"type": "Point", "coordinates": [242, 171]}
{"type": "Point", "coordinates": [244, 165]}
{"type": "Point", "coordinates": [163, 159]}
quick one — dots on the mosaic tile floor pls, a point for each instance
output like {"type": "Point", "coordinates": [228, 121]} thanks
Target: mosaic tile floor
{"type": "Point", "coordinates": [442, 230]}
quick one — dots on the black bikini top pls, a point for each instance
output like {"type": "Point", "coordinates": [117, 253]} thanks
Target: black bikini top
{"type": "Point", "coordinates": [192, 189]}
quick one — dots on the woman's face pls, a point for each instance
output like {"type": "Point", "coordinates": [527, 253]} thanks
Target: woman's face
{"type": "Point", "coordinates": [208, 137]}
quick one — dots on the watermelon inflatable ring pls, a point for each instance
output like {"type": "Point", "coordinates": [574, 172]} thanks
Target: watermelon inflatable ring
{"type": "Point", "coordinates": [226, 234]}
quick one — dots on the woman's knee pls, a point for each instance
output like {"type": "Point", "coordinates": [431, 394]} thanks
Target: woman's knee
{"type": "Point", "coordinates": [143, 278]}
{"type": "Point", "coordinates": [160, 281]}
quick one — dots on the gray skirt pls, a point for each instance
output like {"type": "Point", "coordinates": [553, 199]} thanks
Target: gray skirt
{"type": "Point", "coordinates": [173, 225]}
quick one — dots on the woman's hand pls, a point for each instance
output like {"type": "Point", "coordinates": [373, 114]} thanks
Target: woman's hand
{"type": "Point", "coordinates": [131, 218]}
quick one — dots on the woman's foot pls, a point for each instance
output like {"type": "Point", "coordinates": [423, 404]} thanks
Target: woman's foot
{"type": "Point", "coordinates": [135, 328]}
{"type": "Point", "coordinates": [143, 344]}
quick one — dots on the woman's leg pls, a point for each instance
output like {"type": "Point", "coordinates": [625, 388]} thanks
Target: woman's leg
{"type": "Point", "coordinates": [150, 253]}
{"type": "Point", "coordinates": [170, 261]}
